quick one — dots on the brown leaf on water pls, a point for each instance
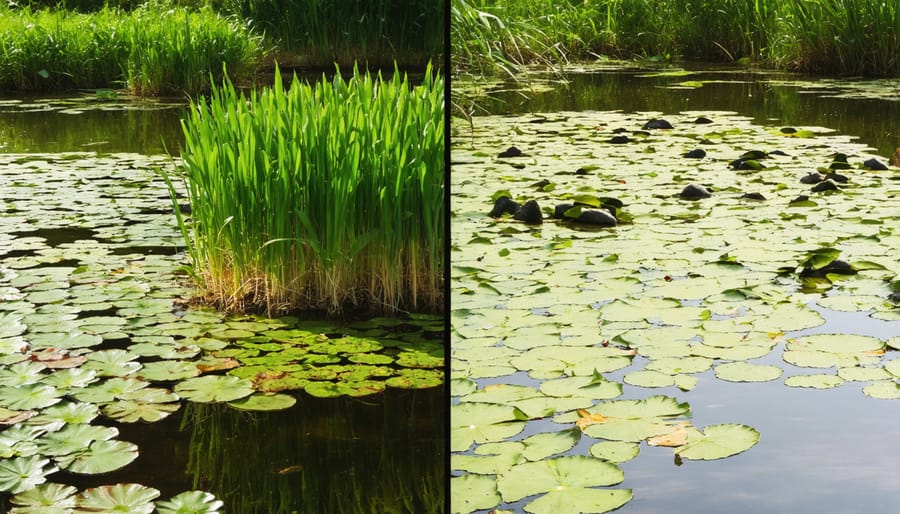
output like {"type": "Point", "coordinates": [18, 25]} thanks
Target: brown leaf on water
{"type": "Point", "coordinates": [217, 364]}
{"type": "Point", "coordinates": [587, 419]}
{"type": "Point", "coordinates": [677, 437]}
{"type": "Point", "coordinates": [12, 417]}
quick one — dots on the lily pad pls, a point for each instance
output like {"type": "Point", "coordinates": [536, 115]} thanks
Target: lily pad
{"type": "Point", "coordinates": [718, 442]}
{"type": "Point", "coordinates": [615, 451]}
{"type": "Point", "coordinates": [746, 372]}
{"type": "Point", "coordinates": [130, 411]}
{"type": "Point", "coordinates": [190, 502]}
{"type": "Point", "coordinates": [819, 381]}
{"type": "Point", "coordinates": [570, 472]}
{"type": "Point", "coordinates": [47, 498]}
{"type": "Point", "coordinates": [469, 493]}
{"type": "Point", "coordinates": [20, 474]}
{"type": "Point", "coordinates": [214, 388]}
{"type": "Point", "coordinates": [483, 422]}
{"type": "Point", "coordinates": [132, 498]}
{"type": "Point", "coordinates": [264, 402]}
{"type": "Point", "coordinates": [100, 457]}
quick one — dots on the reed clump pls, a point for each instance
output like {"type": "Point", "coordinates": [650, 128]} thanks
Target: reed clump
{"type": "Point", "coordinates": [148, 50]}
{"type": "Point", "coordinates": [318, 197]}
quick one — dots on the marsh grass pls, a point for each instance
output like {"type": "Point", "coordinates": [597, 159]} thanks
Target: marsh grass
{"type": "Point", "coordinates": [320, 197]}
{"type": "Point", "coordinates": [845, 37]}
{"type": "Point", "coordinates": [148, 50]}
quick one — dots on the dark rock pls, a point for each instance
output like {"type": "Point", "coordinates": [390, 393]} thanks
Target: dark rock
{"type": "Point", "coordinates": [801, 198]}
{"type": "Point", "coordinates": [894, 297]}
{"type": "Point", "coordinates": [837, 177]}
{"type": "Point", "coordinates": [619, 140]}
{"type": "Point", "coordinates": [530, 213]}
{"type": "Point", "coordinates": [812, 178]}
{"type": "Point", "coordinates": [749, 164]}
{"type": "Point", "coordinates": [512, 151]}
{"type": "Point", "coordinates": [840, 165]}
{"type": "Point", "coordinates": [777, 152]}
{"type": "Point", "coordinates": [753, 155]}
{"type": "Point", "coordinates": [619, 130]}
{"type": "Point", "coordinates": [703, 121]}
{"type": "Point", "coordinates": [753, 196]}
{"type": "Point", "coordinates": [694, 192]}
{"type": "Point", "coordinates": [560, 210]}
{"type": "Point", "coordinates": [541, 183]}
{"type": "Point", "coordinates": [788, 130]}
{"type": "Point", "coordinates": [699, 153]}
{"type": "Point", "coordinates": [504, 205]}
{"type": "Point", "coordinates": [826, 185]}
{"type": "Point", "coordinates": [597, 217]}
{"type": "Point", "coordinates": [581, 171]}
{"type": "Point", "coordinates": [184, 208]}
{"type": "Point", "coordinates": [656, 124]}
{"type": "Point", "coordinates": [874, 164]}
{"type": "Point", "coordinates": [835, 266]}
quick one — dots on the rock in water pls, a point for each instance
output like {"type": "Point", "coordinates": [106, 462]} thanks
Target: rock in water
{"type": "Point", "coordinates": [530, 213]}
{"type": "Point", "coordinates": [504, 205]}
{"type": "Point", "coordinates": [874, 164]}
{"type": "Point", "coordinates": [753, 196]}
{"type": "Point", "coordinates": [812, 178]}
{"type": "Point", "coordinates": [656, 124]}
{"type": "Point", "coordinates": [699, 153]}
{"type": "Point", "coordinates": [619, 140]}
{"type": "Point", "coordinates": [826, 185]}
{"type": "Point", "coordinates": [559, 212]}
{"type": "Point", "coordinates": [597, 217]}
{"type": "Point", "coordinates": [702, 120]}
{"type": "Point", "coordinates": [694, 192]}
{"type": "Point", "coordinates": [512, 151]}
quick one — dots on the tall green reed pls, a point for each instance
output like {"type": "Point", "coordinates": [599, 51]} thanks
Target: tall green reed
{"type": "Point", "coordinates": [325, 196]}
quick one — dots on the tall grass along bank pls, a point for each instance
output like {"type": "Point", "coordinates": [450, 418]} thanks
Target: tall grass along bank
{"type": "Point", "coordinates": [150, 50]}
{"type": "Point", "coordinates": [324, 197]}
{"type": "Point", "coordinates": [843, 37]}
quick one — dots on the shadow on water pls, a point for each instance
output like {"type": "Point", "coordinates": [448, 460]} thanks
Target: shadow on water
{"type": "Point", "coordinates": [378, 454]}
{"type": "Point", "coordinates": [760, 96]}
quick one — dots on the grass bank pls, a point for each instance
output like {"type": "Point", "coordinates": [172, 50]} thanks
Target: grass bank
{"type": "Point", "coordinates": [324, 197]}
{"type": "Point", "coordinates": [149, 50]}
{"type": "Point", "coordinates": [838, 37]}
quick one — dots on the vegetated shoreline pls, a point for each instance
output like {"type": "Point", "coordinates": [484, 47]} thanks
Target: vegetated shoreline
{"type": "Point", "coordinates": [824, 37]}
{"type": "Point", "coordinates": [176, 48]}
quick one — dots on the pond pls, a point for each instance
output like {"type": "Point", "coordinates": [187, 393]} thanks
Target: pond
{"type": "Point", "coordinates": [100, 354]}
{"type": "Point", "coordinates": [700, 324]}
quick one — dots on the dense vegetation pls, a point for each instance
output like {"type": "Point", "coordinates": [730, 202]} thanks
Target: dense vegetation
{"type": "Point", "coordinates": [846, 37]}
{"type": "Point", "coordinates": [325, 196]}
{"type": "Point", "coordinates": [174, 46]}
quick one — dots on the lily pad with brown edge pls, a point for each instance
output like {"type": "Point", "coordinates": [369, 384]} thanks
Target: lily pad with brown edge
{"type": "Point", "coordinates": [46, 498]}
{"type": "Point", "coordinates": [131, 498]}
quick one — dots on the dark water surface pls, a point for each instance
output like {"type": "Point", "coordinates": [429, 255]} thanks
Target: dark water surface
{"type": "Point", "coordinates": [832, 451]}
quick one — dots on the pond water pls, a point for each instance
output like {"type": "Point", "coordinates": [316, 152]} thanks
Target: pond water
{"type": "Point", "coordinates": [89, 266]}
{"type": "Point", "coordinates": [526, 296]}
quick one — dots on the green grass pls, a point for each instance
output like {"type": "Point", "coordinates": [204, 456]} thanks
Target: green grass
{"type": "Point", "coordinates": [845, 37]}
{"type": "Point", "coordinates": [150, 50]}
{"type": "Point", "coordinates": [322, 197]}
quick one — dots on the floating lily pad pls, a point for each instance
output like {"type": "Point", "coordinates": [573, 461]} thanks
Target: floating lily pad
{"type": "Point", "coordinates": [745, 372]}
{"type": "Point", "coordinates": [214, 388]}
{"type": "Point", "coordinates": [571, 472]}
{"type": "Point", "coordinates": [718, 442]}
{"type": "Point", "coordinates": [99, 457]}
{"type": "Point", "coordinates": [190, 502]}
{"type": "Point", "coordinates": [73, 438]}
{"type": "Point", "coordinates": [47, 498]}
{"type": "Point", "coordinates": [30, 396]}
{"type": "Point", "coordinates": [264, 402]}
{"type": "Point", "coordinates": [469, 493]}
{"type": "Point", "coordinates": [132, 498]}
{"type": "Point", "coordinates": [649, 378]}
{"type": "Point", "coordinates": [883, 389]}
{"type": "Point", "coordinates": [130, 411]}
{"type": "Point", "coordinates": [416, 379]}
{"type": "Point", "coordinates": [615, 451]}
{"type": "Point", "coordinates": [483, 422]}
{"type": "Point", "coordinates": [20, 474]}
{"type": "Point", "coordinates": [819, 381]}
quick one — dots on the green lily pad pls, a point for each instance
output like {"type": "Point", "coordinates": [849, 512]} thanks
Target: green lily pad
{"type": "Point", "coordinates": [112, 363]}
{"type": "Point", "coordinates": [47, 498]}
{"type": "Point", "coordinates": [132, 498]}
{"type": "Point", "coordinates": [214, 388]}
{"type": "Point", "coordinates": [73, 438]}
{"type": "Point", "coordinates": [416, 379]}
{"type": "Point", "coordinates": [167, 371]}
{"type": "Point", "coordinates": [333, 390]}
{"type": "Point", "coordinates": [676, 365]}
{"type": "Point", "coordinates": [67, 412]}
{"type": "Point", "coordinates": [482, 423]}
{"type": "Point", "coordinates": [883, 389]}
{"type": "Point", "coordinates": [99, 457]}
{"type": "Point", "coordinates": [718, 442]}
{"type": "Point", "coordinates": [571, 472]}
{"type": "Point", "coordinates": [579, 499]}
{"type": "Point", "coordinates": [108, 390]}
{"type": "Point", "coordinates": [469, 493]}
{"type": "Point", "coordinates": [746, 372]}
{"type": "Point", "coordinates": [819, 381]}
{"type": "Point", "coordinates": [264, 402]}
{"type": "Point", "coordinates": [20, 474]}
{"type": "Point", "coordinates": [131, 411]}
{"type": "Point", "coordinates": [594, 387]}
{"type": "Point", "coordinates": [190, 502]}
{"type": "Point", "coordinates": [649, 378]}
{"type": "Point", "coordinates": [21, 373]}
{"type": "Point", "coordinates": [30, 396]}
{"type": "Point", "coordinates": [615, 451]}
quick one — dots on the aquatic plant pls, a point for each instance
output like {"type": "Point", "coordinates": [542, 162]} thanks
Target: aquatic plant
{"type": "Point", "coordinates": [149, 50]}
{"type": "Point", "coordinates": [325, 196]}
{"type": "Point", "coordinates": [825, 36]}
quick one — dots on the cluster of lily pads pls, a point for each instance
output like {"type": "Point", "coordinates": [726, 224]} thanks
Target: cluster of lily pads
{"type": "Point", "coordinates": [683, 284]}
{"type": "Point", "coordinates": [91, 325]}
